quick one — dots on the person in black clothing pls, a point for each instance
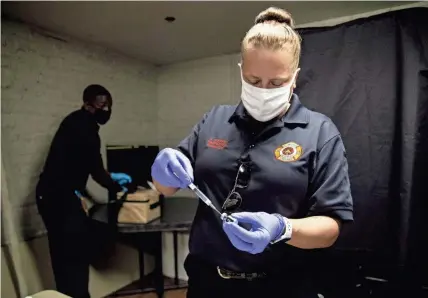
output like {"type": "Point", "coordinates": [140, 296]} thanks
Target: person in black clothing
{"type": "Point", "coordinates": [74, 155]}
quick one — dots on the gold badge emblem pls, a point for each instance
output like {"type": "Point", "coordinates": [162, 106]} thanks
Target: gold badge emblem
{"type": "Point", "coordinates": [288, 152]}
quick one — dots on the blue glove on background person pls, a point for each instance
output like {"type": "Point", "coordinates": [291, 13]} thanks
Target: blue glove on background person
{"type": "Point", "coordinates": [265, 228]}
{"type": "Point", "coordinates": [172, 169]}
{"type": "Point", "coordinates": [121, 178]}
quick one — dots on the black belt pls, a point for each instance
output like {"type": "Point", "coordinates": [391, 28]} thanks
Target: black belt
{"type": "Point", "coordinates": [228, 274]}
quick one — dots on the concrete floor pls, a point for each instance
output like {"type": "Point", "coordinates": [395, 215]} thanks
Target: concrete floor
{"type": "Point", "coordinates": [168, 294]}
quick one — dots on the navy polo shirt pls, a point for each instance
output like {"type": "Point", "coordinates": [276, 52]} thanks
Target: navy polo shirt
{"type": "Point", "coordinates": [298, 169]}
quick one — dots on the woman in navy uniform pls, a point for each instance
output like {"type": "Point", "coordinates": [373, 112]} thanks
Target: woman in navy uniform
{"type": "Point", "coordinates": [277, 168]}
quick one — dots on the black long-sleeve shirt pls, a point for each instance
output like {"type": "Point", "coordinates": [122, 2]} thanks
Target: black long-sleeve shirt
{"type": "Point", "coordinates": [74, 155]}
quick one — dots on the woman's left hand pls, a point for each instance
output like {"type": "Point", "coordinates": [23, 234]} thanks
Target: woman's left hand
{"type": "Point", "coordinates": [264, 229]}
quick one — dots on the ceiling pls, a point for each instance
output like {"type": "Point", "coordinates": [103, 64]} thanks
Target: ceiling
{"type": "Point", "coordinates": [201, 29]}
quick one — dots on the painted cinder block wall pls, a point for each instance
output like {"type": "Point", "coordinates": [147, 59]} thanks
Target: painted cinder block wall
{"type": "Point", "coordinates": [42, 81]}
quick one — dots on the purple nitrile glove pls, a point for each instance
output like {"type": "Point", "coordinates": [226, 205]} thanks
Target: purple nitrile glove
{"type": "Point", "coordinates": [265, 228]}
{"type": "Point", "coordinates": [172, 169]}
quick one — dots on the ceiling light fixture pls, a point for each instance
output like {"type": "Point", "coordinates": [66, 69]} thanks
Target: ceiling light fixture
{"type": "Point", "coordinates": [170, 19]}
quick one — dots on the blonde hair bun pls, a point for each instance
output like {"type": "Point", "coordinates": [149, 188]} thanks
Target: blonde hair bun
{"type": "Point", "coordinates": [276, 15]}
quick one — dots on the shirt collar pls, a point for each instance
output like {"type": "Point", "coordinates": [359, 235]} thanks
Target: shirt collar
{"type": "Point", "coordinates": [297, 113]}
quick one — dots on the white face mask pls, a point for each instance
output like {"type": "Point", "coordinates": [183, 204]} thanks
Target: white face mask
{"type": "Point", "coordinates": [265, 104]}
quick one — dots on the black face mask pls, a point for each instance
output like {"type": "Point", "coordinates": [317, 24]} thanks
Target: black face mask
{"type": "Point", "coordinates": [102, 116]}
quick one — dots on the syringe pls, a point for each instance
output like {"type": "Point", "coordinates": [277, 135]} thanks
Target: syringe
{"type": "Point", "coordinates": [208, 202]}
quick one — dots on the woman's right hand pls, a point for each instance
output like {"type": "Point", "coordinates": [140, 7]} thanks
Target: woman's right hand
{"type": "Point", "coordinates": [172, 169]}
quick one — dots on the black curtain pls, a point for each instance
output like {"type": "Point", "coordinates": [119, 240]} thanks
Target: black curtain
{"type": "Point", "coordinates": [371, 77]}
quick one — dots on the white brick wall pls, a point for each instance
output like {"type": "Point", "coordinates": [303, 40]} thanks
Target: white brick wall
{"type": "Point", "coordinates": [42, 81]}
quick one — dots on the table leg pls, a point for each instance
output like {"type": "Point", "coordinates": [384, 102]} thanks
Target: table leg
{"type": "Point", "coordinates": [176, 257]}
{"type": "Point", "coordinates": [141, 262]}
{"type": "Point", "coordinates": [159, 281]}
